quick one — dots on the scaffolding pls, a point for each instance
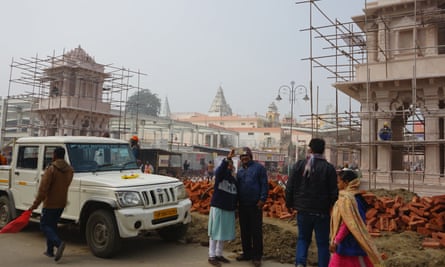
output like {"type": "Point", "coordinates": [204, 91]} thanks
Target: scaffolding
{"type": "Point", "coordinates": [363, 57]}
{"type": "Point", "coordinates": [36, 80]}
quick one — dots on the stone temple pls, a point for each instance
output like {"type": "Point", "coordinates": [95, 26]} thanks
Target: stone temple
{"type": "Point", "coordinates": [401, 83]}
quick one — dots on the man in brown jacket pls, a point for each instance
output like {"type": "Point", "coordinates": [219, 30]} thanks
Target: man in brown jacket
{"type": "Point", "coordinates": [53, 191]}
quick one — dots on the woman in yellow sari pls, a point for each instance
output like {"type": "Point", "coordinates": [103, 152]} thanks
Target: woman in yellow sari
{"type": "Point", "coordinates": [351, 244]}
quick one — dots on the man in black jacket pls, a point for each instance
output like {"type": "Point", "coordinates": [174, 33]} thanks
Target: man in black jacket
{"type": "Point", "coordinates": [312, 191]}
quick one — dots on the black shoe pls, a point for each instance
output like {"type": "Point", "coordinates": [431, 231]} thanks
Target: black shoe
{"type": "Point", "coordinates": [59, 252]}
{"type": "Point", "coordinates": [48, 254]}
{"type": "Point", "coordinates": [257, 263]}
{"type": "Point", "coordinates": [243, 257]}
{"type": "Point", "coordinates": [213, 261]}
{"type": "Point", "coordinates": [222, 259]}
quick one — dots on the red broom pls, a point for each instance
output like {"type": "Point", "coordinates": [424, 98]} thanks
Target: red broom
{"type": "Point", "coordinates": [17, 224]}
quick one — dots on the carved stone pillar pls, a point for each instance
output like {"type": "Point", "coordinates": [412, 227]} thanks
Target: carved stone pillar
{"type": "Point", "coordinates": [431, 39]}
{"type": "Point", "coordinates": [384, 159]}
{"type": "Point", "coordinates": [382, 41]}
{"type": "Point", "coordinates": [367, 161]}
{"type": "Point", "coordinates": [432, 151]}
{"type": "Point", "coordinates": [371, 41]}
{"type": "Point", "coordinates": [432, 148]}
{"type": "Point", "coordinates": [384, 148]}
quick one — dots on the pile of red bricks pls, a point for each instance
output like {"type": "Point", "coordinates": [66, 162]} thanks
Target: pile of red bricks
{"type": "Point", "coordinates": [275, 206]}
{"type": "Point", "coordinates": [424, 215]}
{"type": "Point", "coordinates": [200, 193]}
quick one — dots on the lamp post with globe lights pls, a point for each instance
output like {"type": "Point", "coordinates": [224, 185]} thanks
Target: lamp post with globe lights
{"type": "Point", "coordinates": [292, 91]}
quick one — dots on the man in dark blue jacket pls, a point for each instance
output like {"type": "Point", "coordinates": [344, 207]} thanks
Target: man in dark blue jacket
{"type": "Point", "coordinates": [252, 194]}
{"type": "Point", "coordinates": [312, 191]}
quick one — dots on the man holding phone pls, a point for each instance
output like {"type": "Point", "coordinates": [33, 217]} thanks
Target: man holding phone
{"type": "Point", "coordinates": [252, 194]}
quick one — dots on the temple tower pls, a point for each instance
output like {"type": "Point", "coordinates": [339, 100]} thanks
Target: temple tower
{"type": "Point", "coordinates": [73, 104]}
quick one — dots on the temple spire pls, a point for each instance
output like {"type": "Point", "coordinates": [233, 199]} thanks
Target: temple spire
{"type": "Point", "coordinates": [165, 109]}
{"type": "Point", "coordinates": [219, 105]}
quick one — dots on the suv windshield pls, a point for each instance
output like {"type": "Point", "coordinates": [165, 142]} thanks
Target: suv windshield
{"type": "Point", "coordinates": [100, 157]}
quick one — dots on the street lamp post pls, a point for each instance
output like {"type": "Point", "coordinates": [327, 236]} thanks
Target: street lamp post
{"type": "Point", "coordinates": [292, 91]}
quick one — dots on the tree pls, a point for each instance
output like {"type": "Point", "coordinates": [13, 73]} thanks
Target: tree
{"type": "Point", "coordinates": [144, 102]}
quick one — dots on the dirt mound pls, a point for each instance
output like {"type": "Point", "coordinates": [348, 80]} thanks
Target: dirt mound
{"type": "Point", "coordinates": [405, 250]}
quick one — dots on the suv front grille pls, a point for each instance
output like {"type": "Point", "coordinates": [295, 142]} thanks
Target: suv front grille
{"type": "Point", "coordinates": [159, 197]}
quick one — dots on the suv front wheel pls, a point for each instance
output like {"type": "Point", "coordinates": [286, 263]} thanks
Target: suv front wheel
{"type": "Point", "coordinates": [102, 234]}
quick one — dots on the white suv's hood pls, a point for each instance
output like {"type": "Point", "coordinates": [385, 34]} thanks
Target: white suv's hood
{"type": "Point", "coordinates": [121, 179]}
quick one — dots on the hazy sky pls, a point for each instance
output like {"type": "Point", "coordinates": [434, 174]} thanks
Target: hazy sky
{"type": "Point", "coordinates": [188, 48]}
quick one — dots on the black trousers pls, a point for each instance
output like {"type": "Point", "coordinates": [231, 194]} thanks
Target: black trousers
{"type": "Point", "coordinates": [251, 227]}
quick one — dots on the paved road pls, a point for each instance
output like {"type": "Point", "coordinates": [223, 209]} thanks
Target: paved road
{"type": "Point", "coordinates": [26, 248]}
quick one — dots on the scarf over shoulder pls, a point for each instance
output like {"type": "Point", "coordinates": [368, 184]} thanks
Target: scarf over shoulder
{"type": "Point", "coordinates": [346, 210]}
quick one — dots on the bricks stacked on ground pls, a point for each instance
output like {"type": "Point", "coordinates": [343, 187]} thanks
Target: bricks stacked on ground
{"type": "Point", "coordinates": [275, 206]}
{"type": "Point", "coordinates": [200, 193]}
{"type": "Point", "coordinates": [424, 215]}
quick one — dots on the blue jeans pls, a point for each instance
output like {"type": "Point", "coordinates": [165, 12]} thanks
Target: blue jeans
{"type": "Point", "coordinates": [307, 223]}
{"type": "Point", "coordinates": [48, 225]}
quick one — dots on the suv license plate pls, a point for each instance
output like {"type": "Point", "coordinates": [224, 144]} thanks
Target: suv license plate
{"type": "Point", "coordinates": [160, 214]}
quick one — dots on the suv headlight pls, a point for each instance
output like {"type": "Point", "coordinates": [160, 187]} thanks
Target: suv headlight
{"type": "Point", "coordinates": [182, 193]}
{"type": "Point", "coordinates": [129, 199]}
